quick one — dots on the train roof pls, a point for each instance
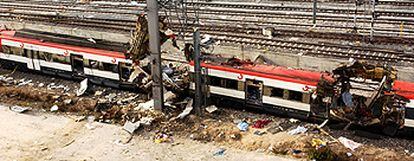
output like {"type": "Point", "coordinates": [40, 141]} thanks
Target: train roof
{"type": "Point", "coordinates": [71, 40]}
{"type": "Point", "coordinates": [307, 77]}
{"type": "Point", "coordinates": [14, 35]}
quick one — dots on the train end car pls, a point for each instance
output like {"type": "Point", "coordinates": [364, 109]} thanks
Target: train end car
{"type": "Point", "coordinates": [68, 57]}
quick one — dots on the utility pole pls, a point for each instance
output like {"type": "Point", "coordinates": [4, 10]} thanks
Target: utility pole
{"type": "Point", "coordinates": [197, 71]}
{"type": "Point", "coordinates": [372, 20]}
{"type": "Point", "coordinates": [314, 12]}
{"type": "Point", "coordinates": [355, 15]}
{"type": "Point", "coordinates": [155, 49]}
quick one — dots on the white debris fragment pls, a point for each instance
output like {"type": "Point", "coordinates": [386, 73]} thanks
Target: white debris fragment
{"type": "Point", "coordinates": [146, 121]}
{"type": "Point", "coordinates": [54, 108]}
{"type": "Point", "coordinates": [168, 96]}
{"type": "Point", "coordinates": [111, 96]}
{"type": "Point", "coordinates": [298, 130]}
{"type": "Point", "coordinates": [40, 85]}
{"type": "Point", "coordinates": [349, 143]}
{"type": "Point", "coordinates": [129, 99]}
{"type": "Point", "coordinates": [211, 109]}
{"type": "Point", "coordinates": [19, 109]}
{"type": "Point", "coordinates": [67, 101]}
{"type": "Point", "coordinates": [92, 40]}
{"type": "Point", "coordinates": [146, 105]}
{"type": "Point", "coordinates": [98, 93]}
{"type": "Point", "coordinates": [323, 123]}
{"type": "Point", "coordinates": [187, 110]}
{"type": "Point", "coordinates": [131, 127]}
{"type": "Point", "coordinates": [23, 82]}
{"type": "Point", "coordinates": [292, 120]}
{"type": "Point", "coordinates": [83, 87]}
{"type": "Point", "coordinates": [91, 120]}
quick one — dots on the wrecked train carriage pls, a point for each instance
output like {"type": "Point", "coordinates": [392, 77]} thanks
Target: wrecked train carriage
{"type": "Point", "coordinates": [103, 62]}
{"type": "Point", "coordinates": [363, 94]}
{"type": "Point", "coordinates": [286, 91]}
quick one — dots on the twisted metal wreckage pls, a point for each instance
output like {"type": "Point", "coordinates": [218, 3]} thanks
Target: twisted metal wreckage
{"type": "Point", "coordinates": [362, 94]}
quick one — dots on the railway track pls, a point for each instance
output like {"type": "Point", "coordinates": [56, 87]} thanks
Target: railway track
{"type": "Point", "coordinates": [209, 12]}
{"type": "Point", "coordinates": [232, 34]}
{"type": "Point", "coordinates": [248, 6]}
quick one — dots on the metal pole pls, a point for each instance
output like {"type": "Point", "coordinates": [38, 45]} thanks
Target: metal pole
{"type": "Point", "coordinates": [372, 20]}
{"type": "Point", "coordinates": [355, 14]}
{"type": "Point", "coordinates": [314, 11]}
{"type": "Point", "coordinates": [154, 44]}
{"type": "Point", "coordinates": [197, 71]}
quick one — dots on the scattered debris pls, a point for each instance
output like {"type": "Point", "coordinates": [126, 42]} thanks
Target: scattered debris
{"type": "Point", "coordinates": [274, 129]}
{"type": "Point", "coordinates": [89, 125]}
{"type": "Point", "coordinates": [243, 126]}
{"type": "Point", "coordinates": [320, 151]}
{"type": "Point", "coordinates": [349, 143]}
{"type": "Point", "coordinates": [261, 123]}
{"type": "Point", "coordinates": [298, 130]}
{"type": "Point", "coordinates": [292, 120]}
{"type": "Point", "coordinates": [163, 138]}
{"type": "Point", "coordinates": [323, 123]}
{"type": "Point", "coordinates": [211, 109]}
{"type": "Point", "coordinates": [131, 127]}
{"type": "Point", "coordinates": [146, 121]}
{"type": "Point", "coordinates": [318, 143]}
{"type": "Point", "coordinates": [98, 93]}
{"type": "Point", "coordinates": [67, 101]}
{"type": "Point", "coordinates": [187, 110]}
{"type": "Point", "coordinates": [219, 152]}
{"type": "Point", "coordinates": [19, 109]}
{"type": "Point", "coordinates": [83, 87]}
{"type": "Point", "coordinates": [23, 82]}
{"type": "Point", "coordinates": [54, 108]}
{"type": "Point", "coordinates": [260, 133]}
{"type": "Point", "coordinates": [146, 105]}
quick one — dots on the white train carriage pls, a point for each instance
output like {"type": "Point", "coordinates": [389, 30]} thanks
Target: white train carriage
{"type": "Point", "coordinates": [102, 66]}
{"type": "Point", "coordinates": [275, 89]}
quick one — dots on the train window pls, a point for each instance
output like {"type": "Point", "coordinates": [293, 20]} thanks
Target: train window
{"type": "Point", "coordinates": [110, 67]}
{"type": "Point", "coordinates": [61, 59]}
{"type": "Point", "coordinates": [215, 81]}
{"type": "Point", "coordinates": [45, 56]}
{"type": "Point", "coordinates": [86, 63]}
{"type": "Point", "coordinates": [93, 64]}
{"type": "Point", "coordinates": [295, 95]}
{"type": "Point", "coordinates": [232, 84]}
{"type": "Point", "coordinates": [16, 50]}
{"type": "Point", "coordinates": [125, 71]}
{"type": "Point", "coordinates": [276, 92]}
{"type": "Point", "coordinates": [6, 49]}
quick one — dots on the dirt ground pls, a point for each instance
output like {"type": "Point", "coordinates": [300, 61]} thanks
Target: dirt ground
{"type": "Point", "coordinates": [40, 136]}
{"type": "Point", "coordinates": [44, 135]}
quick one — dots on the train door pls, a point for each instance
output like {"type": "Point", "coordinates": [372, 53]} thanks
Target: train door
{"type": "Point", "coordinates": [33, 55]}
{"type": "Point", "coordinates": [254, 92]}
{"type": "Point", "coordinates": [36, 59]}
{"type": "Point", "coordinates": [125, 71]}
{"type": "Point", "coordinates": [28, 53]}
{"type": "Point", "coordinates": [77, 65]}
